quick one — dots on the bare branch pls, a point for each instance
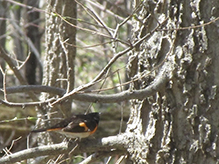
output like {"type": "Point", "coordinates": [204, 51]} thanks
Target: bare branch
{"type": "Point", "coordinates": [96, 17]}
{"type": "Point", "coordinates": [23, 105]}
{"type": "Point", "coordinates": [16, 71]}
{"type": "Point", "coordinates": [34, 88]}
{"type": "Point", "coordinates": [101, 7]}
{"type": "Point", "coordinates": [158, 83]}
{"type": "Point", "coordinates": [88, 145]}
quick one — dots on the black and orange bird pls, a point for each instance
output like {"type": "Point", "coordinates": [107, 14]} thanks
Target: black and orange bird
{"type": "Point", "coordinates": [76, 126]}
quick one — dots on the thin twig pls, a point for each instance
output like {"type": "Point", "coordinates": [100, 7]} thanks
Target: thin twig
{"type": "Point", "coordinates": [191, 27]}
{"type": "Point", "coordinates": [95, 16]}
{"type": "Point", "coordinates": [4, 82]}
{"type": "Point", "coordinates": [101, 7]}
{"type": "Point", "coordinates": [119, 25]}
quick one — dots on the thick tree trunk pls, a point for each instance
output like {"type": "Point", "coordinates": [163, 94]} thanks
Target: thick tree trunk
{"type": "Point", "coordinates": [60, 56]}
{"type": "Point", "coordinates": [59, 59]}
{"type": "Point", "coordinates": [179, 124]}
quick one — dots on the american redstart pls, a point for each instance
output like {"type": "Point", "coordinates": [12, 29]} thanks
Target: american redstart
{"type": "Point", "coordinates": [76, 126]}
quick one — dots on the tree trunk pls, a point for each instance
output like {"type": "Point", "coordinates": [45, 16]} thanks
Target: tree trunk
{"type": "Point", "coordinates": [33, 18]}
{"type": "Point", "coordinates": [179, 124]}
{"type": "Point", "coordinates": [60, 57]}
{"type": "Point", "coordinates": [58, 32]}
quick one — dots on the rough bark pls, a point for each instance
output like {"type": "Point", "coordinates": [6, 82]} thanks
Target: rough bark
{"type": "Point", "coordinates": [59, 59]}
{"type": "Point", "coordinates": [179, 123]}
